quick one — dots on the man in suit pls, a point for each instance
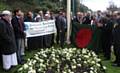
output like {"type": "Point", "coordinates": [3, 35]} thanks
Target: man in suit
{"type": "Point", "coordinates": [107, 35]}
{"type": "Point", "coordinates": [116, 40]}
{"type": "Point", "coordinates": [18, 26]}
{"type": "Point", "coordinates": [87, 18]}
{"type": "Point", "coordinates": [78, 18]}
{"type": "Point", "coordinates": [7, 41]}
{"type": "Point", "coordinates": [61, 29]}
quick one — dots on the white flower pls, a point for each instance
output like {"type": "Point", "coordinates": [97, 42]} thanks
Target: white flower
{"type": "Point", "coordinates": [57, 61]}
{"type": "Point", "coordinates": [79, 59]}
{"type": "Point", "coordinates": [36, 57]}
{"type": "Point", "coordinates": [98, 60]}
{"type": "Point", "coordinates": [73, 48]}
{"type": "Point", "coordinates": [58, 66]}
{"type": "Point", "coordinates": [89, 61]}
{"type": "Point", "coordinates": [39, 69]}
{"type": "Point", "coordinates": [74, 61]}
{"type": "Point", "coordinates": [52, 47]}
{"type": "Point", "coordinates": [70, 50]}
{"type": "Point", "coordinates": [30, 63]}
{"type": "Point", "coordinates": [53, 55]}
{"type": "Point", "coordinates": [39, 53]}
{"type": "Point", "coordinates": [89, 54]}
{"type": "Point", "coordinates": [25, 66]}
{"type": "Point", "coordinates": [32, 71]}
{"type": "Point", "coordinates": [73, 67]}
{"type": "Point", "coordinates": [64, 72]}
{"type": "Point", "coordinates": [85, 62]}
{"type": "Point", "coordinates": [98, 65]}
{"type": "Point", "coordinates": [44, 55]}
{"type": "Point", "coordinates": [79, 65]}
{"type": "Point", "coordinates": [84, 51]}
{"type": "Point", "coordinates": [91, 68]}
{"type": "Point", "coordinates": [41, 60]}
{"type": "Point", "coordinates": [93, 53]}
{"type": "Point", "coordinates": [68, 58]}
{"type": "Point", "coordinates": [34, 61]}
{"type": "Point", "coordinates": [28, 59]}
{"type": "Point", "coordinates": [91, 71]}
{"type": "Point", "coordinates": [104, 67]}
{"type": "Point", "coordinates": [41, 64]}
{"type": "Point", "coordinates": [86, 56]}
{"type": "Point", "coordinates": [67, 54]}
{"type": "Point", "coordinates": [20, 69]}
{"type": "Point", "coordinates": [70, 71]}
{"type": "Point", "coordinates": [93, 62]}
{"type": "Point", "coordinates": [30, 68]}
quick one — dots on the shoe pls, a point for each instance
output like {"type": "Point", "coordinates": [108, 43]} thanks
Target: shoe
{"type": "Point", "coordinates": [22, 62]}
{"type": "Point", "coordinates": [116, 65]}
{"type": "Point", "coordinates": [114, 62]}
{"type": "Point", "coordinates": [107, 59]}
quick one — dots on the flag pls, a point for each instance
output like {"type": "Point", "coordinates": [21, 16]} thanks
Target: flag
{"type": "Point", "coordinates": [85, 36]}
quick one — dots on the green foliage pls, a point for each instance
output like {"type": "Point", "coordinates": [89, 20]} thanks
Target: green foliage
{"type": "Point", "coordinates": [3, 6]}
{"type": "Point", "coordinates": [36, 5]}
{"type": "Point", "coordinates": [83, 8]}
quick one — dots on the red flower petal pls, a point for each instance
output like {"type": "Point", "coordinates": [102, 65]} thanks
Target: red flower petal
{"type": "Point", "coordinates": [83, 37]}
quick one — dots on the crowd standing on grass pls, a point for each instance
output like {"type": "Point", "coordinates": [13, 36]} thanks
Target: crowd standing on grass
{"type": "Point", "coordinates": [12, 35]}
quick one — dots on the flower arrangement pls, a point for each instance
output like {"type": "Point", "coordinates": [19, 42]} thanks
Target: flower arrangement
{"type": "Point", "coordinates": [67, 60]}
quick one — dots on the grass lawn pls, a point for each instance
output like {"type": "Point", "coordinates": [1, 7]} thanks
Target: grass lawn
{"type": "Point", "coordinates": [108, 64]}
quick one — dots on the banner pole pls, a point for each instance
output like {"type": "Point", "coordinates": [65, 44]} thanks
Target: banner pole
{"type": "Point", "coordinates": [68, 20]}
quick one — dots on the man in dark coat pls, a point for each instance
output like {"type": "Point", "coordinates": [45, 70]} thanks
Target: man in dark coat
{"type": "Point", "coordinates": [107, 36]}
{"type": "Point", "coordinates": [87, 19]}
{"type": "Point", "coordinates": [116, 41]}
{"type": "Point", "coordinates": [18, 26]}
{"type": "Point", "coordinates": [61, 29]}
{"type": "Point", "coordinates": [78, 18]}
{"type": "Point", "coordinates": [7, 41]}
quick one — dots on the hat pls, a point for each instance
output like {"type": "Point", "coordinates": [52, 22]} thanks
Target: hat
{"type": "Point", "coordinates": [6, 12]}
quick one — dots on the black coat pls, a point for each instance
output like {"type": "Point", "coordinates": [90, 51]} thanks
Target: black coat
{"type": "Point", "coordinates": [19, 32]}
{"type": "Point", "coordinates": [62, 26]}
{"type": "Point", "coordinates": [87, 20]}
{"type": "Point", "coordinates": [7, 38]}
{"type": "Point", "coordinates": [116, 33]}
{"type": "Point", "coordinates": [76, 19]}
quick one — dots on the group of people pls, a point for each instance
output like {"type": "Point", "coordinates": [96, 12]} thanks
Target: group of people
{"type": "Point", "coordinates": [108, 25]}
{"type": "Point", "coordinates": [12, 34]}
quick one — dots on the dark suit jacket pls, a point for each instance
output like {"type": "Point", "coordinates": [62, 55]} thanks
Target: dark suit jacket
{"type": "Point", "coordinates": [17, 29]}
{"type": "Point", "coordinates": [61, 24]}
{"type": "Point", "coordinates": [7, 38]}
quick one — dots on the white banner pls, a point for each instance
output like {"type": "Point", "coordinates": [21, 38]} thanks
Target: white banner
{"type": "Point", "coordinates": [34, 29]}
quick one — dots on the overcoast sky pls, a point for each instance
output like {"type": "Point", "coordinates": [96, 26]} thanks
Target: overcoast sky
{"type": "Point", "coordinates": [99, 4]}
